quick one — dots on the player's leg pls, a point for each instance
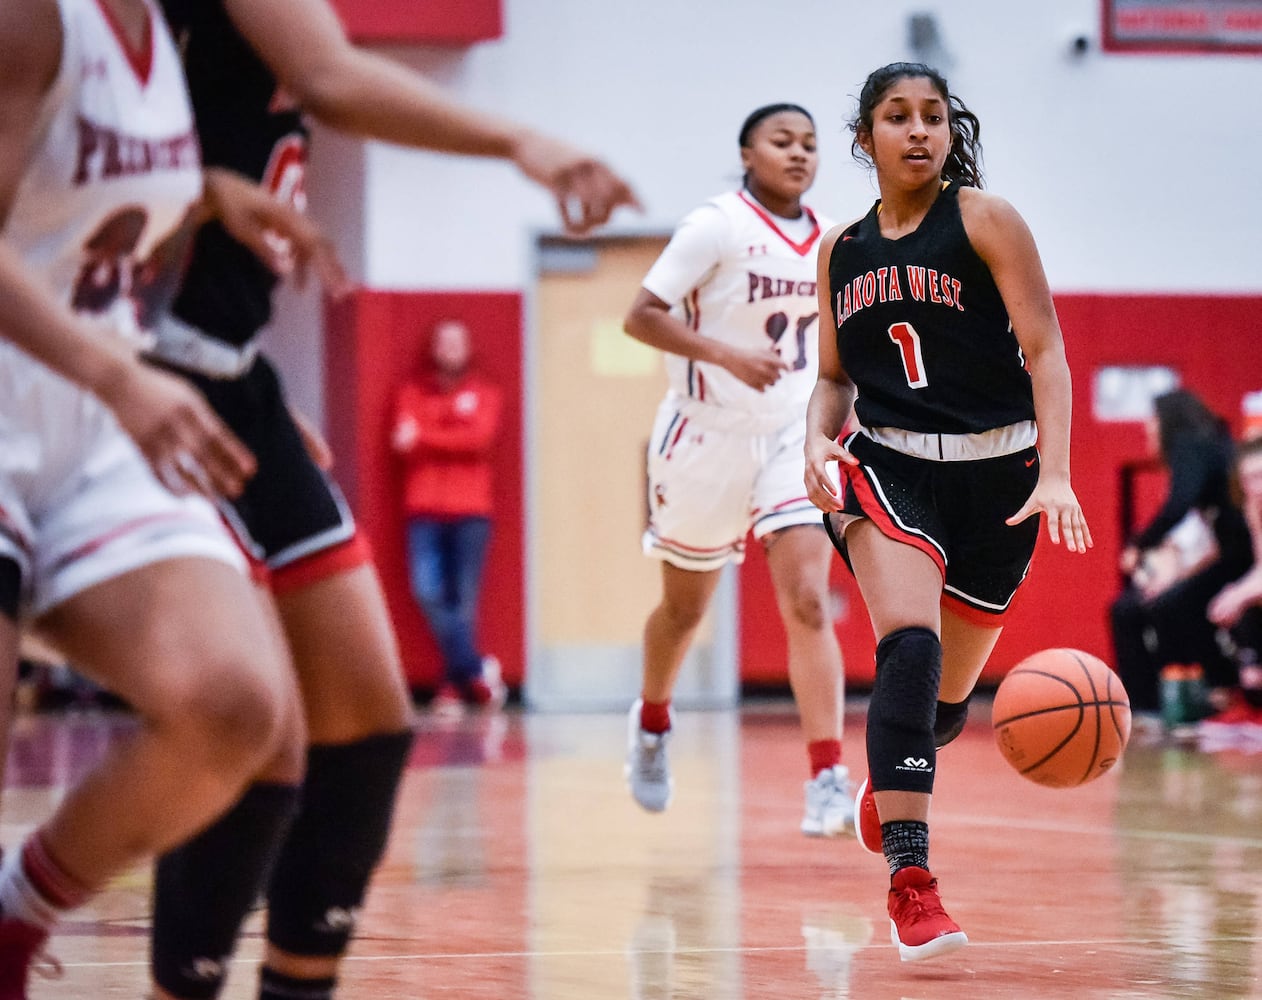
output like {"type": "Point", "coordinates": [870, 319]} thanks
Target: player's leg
{"type": "Point", "coordinates": [699, 490]}
{"type": "Point", "coordinates": [902, 588]}
{"type": "Point", "coordinates": [10, 593]}
{"type": "Point", "coordinates": [354, 695]}
{"type": "Point", "coordinates": [671, 627]}
{"type": "Point", "coordinates": [200, 897]}
{"type": "Point", "coordinates": [967, 642]}
{"type": "Point", "coordinates": [359, 723]}
{"type": "Point", "coordinates": [799, 559]}
{"type": "Point", "coordinates": [184, 643]}
{"type": "Point", "coordinates": [668, 635]}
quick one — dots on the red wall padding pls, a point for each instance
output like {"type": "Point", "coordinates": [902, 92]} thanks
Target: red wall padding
{"type": "Point", "coordinates": [438, 22]}
{"type": "Point", "coordinates": [373, 341]}
{"type": "Point", "coordinates": [1213, 342]}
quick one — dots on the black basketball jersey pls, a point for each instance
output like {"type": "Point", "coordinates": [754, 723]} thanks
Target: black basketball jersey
{"type": "Point", "coordinates": [922, 330]}
{"type": "Point", "coordinates": [245, 123]}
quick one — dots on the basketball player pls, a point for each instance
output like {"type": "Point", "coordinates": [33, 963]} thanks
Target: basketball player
{"type": "Point", "coordinates": [940, 318]}
{"type": "Point", "coordinates": [142, 589]}
{"type": "Point", "coordinates": [732, 302]}
{"type": "Point", "coordinates": [254, 68]}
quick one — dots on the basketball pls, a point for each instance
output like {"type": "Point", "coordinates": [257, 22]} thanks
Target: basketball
{"type": "Point", "coordinates": [1061, 717]}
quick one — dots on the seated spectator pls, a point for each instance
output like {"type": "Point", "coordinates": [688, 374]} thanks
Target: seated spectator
{"type": "Point", "coordinates": [1161, 616]}
{"type": "Point", "coordinates": [1237, 610]}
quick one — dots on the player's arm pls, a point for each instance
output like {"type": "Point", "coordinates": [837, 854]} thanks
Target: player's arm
{"type": "Point", "coordinates": [831, 399]}
{"type": "Point", "coordinates": [1004, 241]}
{"type": "Point", "coordinates": [170, 421]}
{"type": "Point", "coordinates": [284, 239]}
{"type": "Point", "coordinates": [687, 260]}
{"type": "Point", "coordinates": [359, 92]}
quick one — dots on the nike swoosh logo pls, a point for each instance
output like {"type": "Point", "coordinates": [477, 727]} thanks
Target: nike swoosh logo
{"type": "Point", "coordinates": [1030, 462]}
{"type": "Point", "coordinates": [844, 238]}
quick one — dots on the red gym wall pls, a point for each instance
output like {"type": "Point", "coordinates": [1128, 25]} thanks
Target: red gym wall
{"type": "Point", "coordinates": [1214, 343]}
{"type": "Point", "coordinates": [434, 22]}
{"type": "Point", "coordinates": [373, 340]}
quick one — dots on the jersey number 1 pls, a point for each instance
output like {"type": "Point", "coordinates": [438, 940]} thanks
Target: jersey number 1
{"type": "Point", "coordinates": [908, 341]}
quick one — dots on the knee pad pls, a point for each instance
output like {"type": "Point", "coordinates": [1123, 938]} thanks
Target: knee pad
{"type": "Point", "coordinates": [334, 844]}
{"type": "Point", "coordinates": [949, 722]}
{"type": "Point", "coordinates": [10, 587]}
{"type": "Point", "coordinates": [204, 889]}
{"type": "Point", "coordinates": [900, 734]}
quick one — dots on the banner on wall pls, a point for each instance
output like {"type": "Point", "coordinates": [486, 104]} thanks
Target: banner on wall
{"type": "Point", "coordinates": [1228, 26]}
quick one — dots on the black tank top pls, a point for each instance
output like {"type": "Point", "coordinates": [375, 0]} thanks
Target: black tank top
{"type": "Point", "coordinates": [922, 330]}
{"type": "Point", "coordinates": [245, 123]}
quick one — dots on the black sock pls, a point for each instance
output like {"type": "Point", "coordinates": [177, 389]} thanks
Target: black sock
{"type": "Point", "coordinates": [275, 986]}
{"type": "Point", "coordinates": [905, 843]}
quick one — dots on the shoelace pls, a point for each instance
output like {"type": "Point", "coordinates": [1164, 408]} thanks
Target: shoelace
{"type": "Point", "coordinates": [651, 762]}
{"type": "Point", "coordinates": [926, 901]}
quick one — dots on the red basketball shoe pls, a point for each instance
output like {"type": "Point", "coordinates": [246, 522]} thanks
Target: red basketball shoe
{"type": "Point", "coordinates": [918, 923]}
{"type": "Point", "coordinates": [867, 824]}
{"type": "Point", "coordinates": [22, 946]}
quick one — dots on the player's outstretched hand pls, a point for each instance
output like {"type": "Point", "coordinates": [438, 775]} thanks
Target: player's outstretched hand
{"type": "Point", "coordinates": [284, 239]}
{"type": "Point", "coordinates": [189, 448]}
{"type": "Point", "coordinates": [586, 190]}
{"type": "Point", "coordinates": [822, 488]}
{"type": "Point", "coordinates": [1055, 497]}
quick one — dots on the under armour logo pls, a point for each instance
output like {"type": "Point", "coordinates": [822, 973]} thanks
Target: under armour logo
{"type": "Point", "coordinates": [919, 763]}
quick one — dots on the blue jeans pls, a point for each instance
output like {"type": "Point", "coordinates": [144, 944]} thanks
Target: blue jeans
{"type": "Point", "coordinates": [445, 559]}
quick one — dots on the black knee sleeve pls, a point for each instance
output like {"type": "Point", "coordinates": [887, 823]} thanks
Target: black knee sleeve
{"type": "Point", "coordinates": [949, 722]}
{"type": "Point", "coordinates": [10, 587]}
{"type": "Point", "coordinates": [204, 889]}
{"type": "Point", "coordinates": [900, 735]}
{"type": "Point", "coordinates": [335, 843]}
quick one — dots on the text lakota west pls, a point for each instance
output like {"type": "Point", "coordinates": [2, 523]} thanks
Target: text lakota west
{"type": "Point", "coordinates": [105, 153]}
{"type": "Point", "coordinates": [924, 284]}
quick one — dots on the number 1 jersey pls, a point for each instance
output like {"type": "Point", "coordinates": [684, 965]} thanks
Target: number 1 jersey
{"type": "Point", "coordinates": [922, 330]}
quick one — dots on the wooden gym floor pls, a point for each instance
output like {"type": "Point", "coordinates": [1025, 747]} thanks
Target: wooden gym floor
{"type": "Point", "coordinates": [519, 869]}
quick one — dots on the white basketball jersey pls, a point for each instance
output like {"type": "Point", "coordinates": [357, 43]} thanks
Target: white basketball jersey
{"type": "Point", "coordinates": [115, 166]}
{"type": "Point", "coordinates": [737, 273]}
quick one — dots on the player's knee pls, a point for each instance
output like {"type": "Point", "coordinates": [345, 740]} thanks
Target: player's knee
{"type": "Point", "coordinates": [233, 710]}
{"type": "Point", "coordinates": [949, 721]}
{"type": "Point", "coordinates": [807, 605]}
{"type": "Point", "coordinates": [681, 617]}
{"type": "Point", "coordinates": [900, 732]}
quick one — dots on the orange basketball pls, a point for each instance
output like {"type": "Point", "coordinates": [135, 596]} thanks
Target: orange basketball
{"type": "Point", "coordinates": [1061, 717]}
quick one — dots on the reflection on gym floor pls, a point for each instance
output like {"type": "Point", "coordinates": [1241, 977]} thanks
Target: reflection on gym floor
{"type": "Point", "coordinates": [520, 869]}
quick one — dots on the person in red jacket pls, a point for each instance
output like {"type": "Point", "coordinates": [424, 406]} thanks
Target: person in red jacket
{"type": "Point", "coordinates": [445, 427]}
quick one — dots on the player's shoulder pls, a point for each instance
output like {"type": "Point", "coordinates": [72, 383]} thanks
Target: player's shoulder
{"type": "Point", "coordinates": [841, 232]}
{"type": "Point", "coordinates": [984, 206]}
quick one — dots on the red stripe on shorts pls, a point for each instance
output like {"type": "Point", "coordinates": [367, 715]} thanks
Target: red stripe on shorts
{"type": "Point", "coordinates": [881, 517]}
{"type": "Point", "coordinates": [319, 566]}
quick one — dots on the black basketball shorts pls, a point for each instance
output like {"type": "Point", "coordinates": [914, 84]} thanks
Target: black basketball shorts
{"type": "Point", "coordinates": [291, 508]}
{"type": "Point", "coordinates": [954, 512]}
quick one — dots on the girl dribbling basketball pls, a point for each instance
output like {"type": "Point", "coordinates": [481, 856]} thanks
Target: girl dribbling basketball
{"type": "Point", "coordinates": [943, 324]}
